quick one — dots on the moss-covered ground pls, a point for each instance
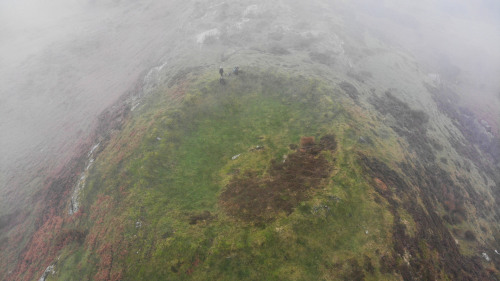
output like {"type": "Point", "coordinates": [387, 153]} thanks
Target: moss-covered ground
{"type": "Point", "coordinates": [151, 209]}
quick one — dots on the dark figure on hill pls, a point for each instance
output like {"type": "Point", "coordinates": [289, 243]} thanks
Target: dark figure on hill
{"type": "Point", "coordinates": [221, 71]}
{"type": "Point", "coordinates": [236, 69]}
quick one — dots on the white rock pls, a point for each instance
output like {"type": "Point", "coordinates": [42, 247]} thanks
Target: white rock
{"type": "Point", "coordinates": [93, 149]}
{"type": "Point", "coordinates": [50, 269]}
{"type": "Point", "coordinates": [212, 33]}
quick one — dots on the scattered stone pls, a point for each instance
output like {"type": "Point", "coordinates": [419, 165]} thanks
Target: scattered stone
{"type": "Point", "coordinates": [74, 203]}
{"type": "Point", "coordinates": [258, 147]}
{"type": "Point", "coordinates": [138, 224]}
{"type": "Point", "coordinates": [485, 256]}
{"type": "Point", "coordinates": [90, 153]}
{"type": "Point", "coordinates": [80, 185]}
{"type": "Point", "coordinates": [318, 208]}
{"type": "Point", "coordinates": [50, 270]}
{"type": "Point", "coordinates": [235, 157]}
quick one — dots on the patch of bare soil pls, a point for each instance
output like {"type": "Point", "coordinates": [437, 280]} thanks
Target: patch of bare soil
{"type": "Point", "coordinates": [432, 250]}
{"type": "Point", "coordinates": [250, 198]}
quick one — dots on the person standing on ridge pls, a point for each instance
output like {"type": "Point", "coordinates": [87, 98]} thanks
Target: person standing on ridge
{"type": "Point", "coordinates": [221, 79]}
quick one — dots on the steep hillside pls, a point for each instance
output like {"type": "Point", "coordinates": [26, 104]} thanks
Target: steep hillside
{"type": "Point", "coordinates": [272, 177]}
{"type": "Point", "coordinates": [332, 155]}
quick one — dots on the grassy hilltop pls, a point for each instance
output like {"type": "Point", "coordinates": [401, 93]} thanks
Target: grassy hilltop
{"type": "Point", "coordinates": [336, 154]}
{"type": "Point", "coordinates": [159, 202]}
{"type": "Point", "coordinates": [268, 177]}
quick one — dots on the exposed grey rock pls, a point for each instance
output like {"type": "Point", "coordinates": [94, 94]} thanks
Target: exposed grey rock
{"type": "Point", "coordinates": [50, 270]}
{"type": "Point", "coordinates": [258, 147]}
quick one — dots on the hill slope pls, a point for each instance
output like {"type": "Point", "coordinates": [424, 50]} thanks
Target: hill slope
{"type": "Point", "coordinates": [272, 177]}
{"type": "Point", "coordinates": [331, 156]}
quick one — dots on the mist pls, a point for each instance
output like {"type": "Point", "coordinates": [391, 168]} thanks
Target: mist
{"type": "Point", "coordinates": [64, 62]}
{"type": "Point", "coordinates": [458, 39]}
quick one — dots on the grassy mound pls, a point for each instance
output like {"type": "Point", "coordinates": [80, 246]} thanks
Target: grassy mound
{"type": "Point", "coordinates": [208, 181]}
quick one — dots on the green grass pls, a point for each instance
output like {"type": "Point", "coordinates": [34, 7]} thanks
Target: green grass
{"type": "Point", "coordinates": [171, 161]}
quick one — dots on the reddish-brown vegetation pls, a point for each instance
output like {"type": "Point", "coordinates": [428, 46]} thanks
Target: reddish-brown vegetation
{"type": "Point", "coordinates": [306, 142]}
{"type": "Point", "coordinates": [49, 212]}
{"type": "Point", "coordinates": [253, 199]}
{"type": "Point", "coordinates": [41, 251]}
{"type": "Point", "coordinates": [432, 248]}
{"type": "Point", "coordinates": [105, 239]}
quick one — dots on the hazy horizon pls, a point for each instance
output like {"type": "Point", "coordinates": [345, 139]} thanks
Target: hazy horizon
{"type": "Point", "coordinates": [64, 62]}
